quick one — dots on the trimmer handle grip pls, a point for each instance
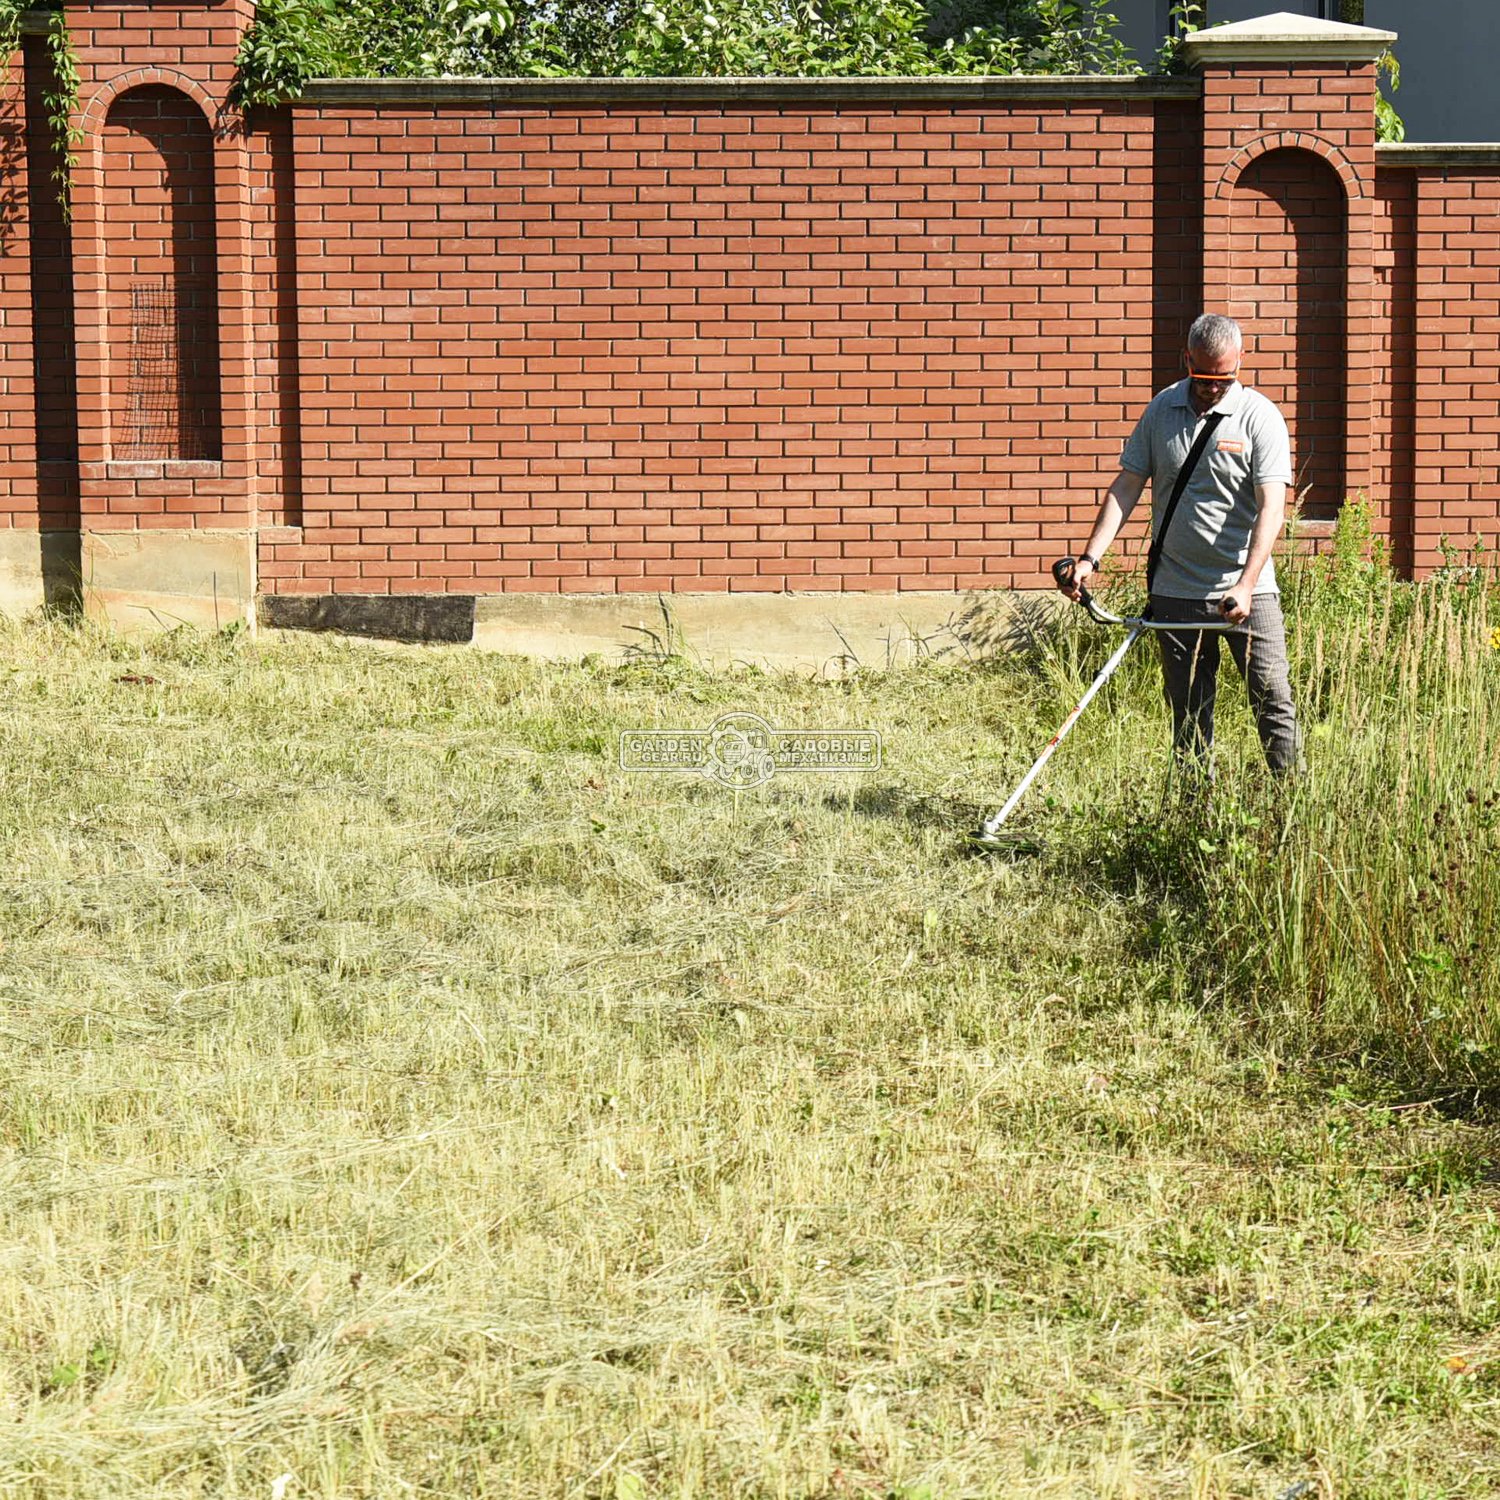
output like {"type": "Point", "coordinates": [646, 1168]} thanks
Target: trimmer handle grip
{"type": "Point", "coordinates": [1062, 571]}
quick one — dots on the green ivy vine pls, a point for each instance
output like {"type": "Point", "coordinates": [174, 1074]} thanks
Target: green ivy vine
{"type": "Point", "coordinates": [61, 104]}
{"type": "Point", "coordinates": [60, 100]}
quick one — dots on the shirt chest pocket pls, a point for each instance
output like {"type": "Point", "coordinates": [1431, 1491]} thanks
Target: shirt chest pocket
{"type": "Point", "coordinates": [1229, 456]}
{"type": "Point", "coordinates": [1228, 453]}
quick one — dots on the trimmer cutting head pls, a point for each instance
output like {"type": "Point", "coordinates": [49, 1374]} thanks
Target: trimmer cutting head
{"type": "Point", "coordinates": [1003, 842]}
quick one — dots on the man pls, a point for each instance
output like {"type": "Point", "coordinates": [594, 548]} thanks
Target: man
{"type": "Point", "coordinates": [1215, 561]}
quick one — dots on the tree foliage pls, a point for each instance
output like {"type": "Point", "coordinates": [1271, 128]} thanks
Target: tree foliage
{"type": "Point", "coordinates": [292, 41]}
{"type": "Point", "coordinates": [295, 40]}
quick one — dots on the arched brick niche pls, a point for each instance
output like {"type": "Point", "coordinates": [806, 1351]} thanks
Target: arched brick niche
{"type": "Point", "coordinates": [160, 277]}
{"type": "Point", "coordinates": [1289, 270]}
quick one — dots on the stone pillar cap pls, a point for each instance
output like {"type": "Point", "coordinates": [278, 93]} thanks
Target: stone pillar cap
{"type": "Point", "coordinates": [1284, 37]}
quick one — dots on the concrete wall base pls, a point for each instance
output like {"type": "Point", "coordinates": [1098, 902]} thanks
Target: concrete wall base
{"type": "Point", "coordinates": [142, 581]}
{"type": "Point", "coordinates": [156, 580]}
{"type": "Point", "coordinates": [826, 633]}
{"type": "Point", "coordinates": [37, 568]}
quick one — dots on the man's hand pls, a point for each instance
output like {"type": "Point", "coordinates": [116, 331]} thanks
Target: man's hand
{"type": "Point", "coordinates": [1082, 570]}
{"type": "Point", "coordinates": [1235, 605]}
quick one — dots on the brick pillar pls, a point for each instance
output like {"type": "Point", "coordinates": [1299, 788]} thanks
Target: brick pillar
{"type": "Point", "coordinates": [1288, 173]}
{"type": "Point", "coordinates": [161, 236]}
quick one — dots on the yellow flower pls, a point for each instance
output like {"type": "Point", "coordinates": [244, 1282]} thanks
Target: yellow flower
{"type": "Point", "coordinates": [1495, 639]}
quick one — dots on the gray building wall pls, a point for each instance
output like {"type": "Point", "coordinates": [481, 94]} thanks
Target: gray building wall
{"type": "Point", "coordinates": [1447, 51]}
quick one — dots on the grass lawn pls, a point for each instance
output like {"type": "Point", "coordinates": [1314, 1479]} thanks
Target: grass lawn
{"type": "Point", "coordinates": [397, 1099]}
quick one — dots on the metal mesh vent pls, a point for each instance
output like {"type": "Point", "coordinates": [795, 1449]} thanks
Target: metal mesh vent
{"type": "Point", "coordinates": [166, 372]}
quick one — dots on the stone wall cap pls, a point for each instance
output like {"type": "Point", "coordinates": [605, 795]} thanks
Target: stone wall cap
{"type": "Point", "coordinates": [669, 92]}
{"type": "Point", "coordinates": [1285, 37]}
{"type": "Point", "coordinates": [1438, 154]}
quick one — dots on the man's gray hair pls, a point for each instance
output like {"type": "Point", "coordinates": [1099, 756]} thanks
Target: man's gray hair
{"type": "Point", "coordinates": [1214, 335]}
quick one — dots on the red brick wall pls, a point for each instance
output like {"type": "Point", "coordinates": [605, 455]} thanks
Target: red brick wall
{"type": "Point", "coordinates": [1176, 233]}
{"type": "Point", "coordinates": [1455, 454]}
{"type": "Point", "coordinates": [17, 431]}
{"type": "Point", "coordinates": [161, 278]}
{"type": "Point", "coordinates": [272, 293]}
{"type": "Point", "coordinates": [1270, 227]}
{"type": "Point", "coordinates": [165, 158]}
{"type": "Point", "coordinates": [759, 349]}
{"type": "Point", "coordinates": [50, 409]}
{"type": "Point", "coordinates": [1394, 451]}
{"type": "Point", "coordinates": [1287, 217]}
{"type": "Point", "coordinates": [724, 345]}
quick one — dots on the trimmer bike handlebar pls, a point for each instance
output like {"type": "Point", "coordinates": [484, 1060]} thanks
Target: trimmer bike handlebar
{"type": "Point", "coordinates": [1062, 571]}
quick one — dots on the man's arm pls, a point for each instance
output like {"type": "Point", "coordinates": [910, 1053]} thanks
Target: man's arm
{"type": "Point", "coordinates": [1119, 501]}
{"type": "Point", "coordinates": [1269, 518]}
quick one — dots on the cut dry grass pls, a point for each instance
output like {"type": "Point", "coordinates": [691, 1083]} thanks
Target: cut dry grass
{"type": "Point", "coordinates": [399, 1100]}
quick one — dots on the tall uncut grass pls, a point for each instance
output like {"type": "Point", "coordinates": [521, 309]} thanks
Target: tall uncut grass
{"type": "Point", "coordinates": [1367, 920]}
{"type": "Point", "coordinates": [1356, 913]}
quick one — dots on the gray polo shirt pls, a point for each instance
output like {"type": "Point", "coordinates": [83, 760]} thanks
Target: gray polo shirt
{"type": "Point", "coordinates": [1210, 539]}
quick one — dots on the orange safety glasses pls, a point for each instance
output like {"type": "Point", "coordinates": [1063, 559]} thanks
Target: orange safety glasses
{"type": "Point", "coordinates": [1214, 379]}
